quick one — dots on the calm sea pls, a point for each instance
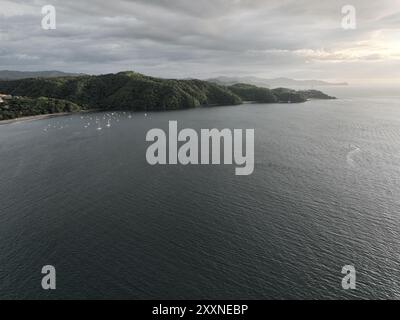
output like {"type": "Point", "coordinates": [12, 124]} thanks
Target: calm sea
{"type": "Point", "coordinates": [325, 193]}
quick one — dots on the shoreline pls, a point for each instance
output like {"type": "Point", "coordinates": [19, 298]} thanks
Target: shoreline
{"type": "Point", "coordinates": [54, 115]}
{"type": "Point", "coordinates": [32, 118]}
{"type": "Point", "coordinates": [41, 117]}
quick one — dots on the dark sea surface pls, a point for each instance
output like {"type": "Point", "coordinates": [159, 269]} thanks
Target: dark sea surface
{"type": "Point", "coordinates": [325, 193]}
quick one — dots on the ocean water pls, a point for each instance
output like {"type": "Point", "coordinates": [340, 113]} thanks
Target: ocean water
{"type": "Point", "coordinates": [325, 193]}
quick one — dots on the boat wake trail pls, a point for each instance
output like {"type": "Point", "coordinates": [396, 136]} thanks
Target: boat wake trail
{"type": "Point", "coordinates": [351, 155]}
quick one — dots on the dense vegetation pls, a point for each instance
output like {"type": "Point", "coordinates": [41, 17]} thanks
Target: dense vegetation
{"type": "Point", "coordinates": [125, 90]}
{"type": "Point", "coordinates": [289, 95]}
{"type": "Point", "coordinates": [315, 94]}
{"type": "Point", "coordinates": [19, 107]}
{"type": "Point", "coordinates": [130, 90]}
{"type": "Point", "coordinates": [248, 92]}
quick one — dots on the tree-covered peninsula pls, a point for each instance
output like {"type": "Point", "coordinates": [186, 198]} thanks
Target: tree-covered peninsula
{"type": "Point", "coordinates": [248, 92]}
{"type": "Point", "coordinates": [129, 91]}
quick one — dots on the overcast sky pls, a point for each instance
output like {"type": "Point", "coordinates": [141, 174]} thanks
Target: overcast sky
{"type": "Point", "coordinates": [301, 39]}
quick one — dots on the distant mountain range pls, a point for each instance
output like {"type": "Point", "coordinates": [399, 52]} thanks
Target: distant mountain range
{"type": "Point", "coordinates": [273, 83]}
{"type": "Point", "coordinates": [18, 75]}
{"type": "Point", "coordinates": [226, 81]}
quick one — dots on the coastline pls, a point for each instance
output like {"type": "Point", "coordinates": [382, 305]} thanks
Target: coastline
{"type": "Point", "coordinates": [41, 117]}
{"type": "Point", "coordinates": [32, 118]}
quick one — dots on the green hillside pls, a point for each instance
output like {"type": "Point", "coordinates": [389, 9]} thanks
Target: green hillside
{"type": "Point", "coordinates": [131, 91]}
{"type": "Point", "coordinates": [248, 92]}
{"type": "Point", "coordinates": [19, 107]}
{"type": "Point", "coordinates": [125, 90]}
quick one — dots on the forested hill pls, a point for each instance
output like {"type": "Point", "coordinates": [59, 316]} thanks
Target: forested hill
{"type": "Point", "coordinates": [133, 91]}
{"type": "Point", "coordinates": [125, 90]}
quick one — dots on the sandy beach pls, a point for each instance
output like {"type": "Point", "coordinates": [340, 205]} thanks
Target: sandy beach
{"type": "Point", "coordinates": [32, 118]}
{"type": "Point", "coordinates": [43, 116]}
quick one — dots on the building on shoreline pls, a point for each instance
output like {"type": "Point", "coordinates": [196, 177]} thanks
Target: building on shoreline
{"type": "Point", "coordinates": [4, 97]}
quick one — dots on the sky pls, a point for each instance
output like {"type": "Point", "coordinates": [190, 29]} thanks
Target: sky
{"type": "Point", "coordinates": [300, 39]}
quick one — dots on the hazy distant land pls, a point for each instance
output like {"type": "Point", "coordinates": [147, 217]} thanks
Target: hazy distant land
{"type": "Point", "coordinates": [18, 75]}
{"type": "Point", "coordinates": [274, 83]}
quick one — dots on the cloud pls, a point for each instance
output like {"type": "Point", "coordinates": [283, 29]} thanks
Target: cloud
{"type": "Point", "coordinates": [180, 38]}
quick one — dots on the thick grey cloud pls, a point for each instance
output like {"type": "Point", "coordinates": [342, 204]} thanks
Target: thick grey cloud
{"type": "Point", "coordinates": [204, 38]}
